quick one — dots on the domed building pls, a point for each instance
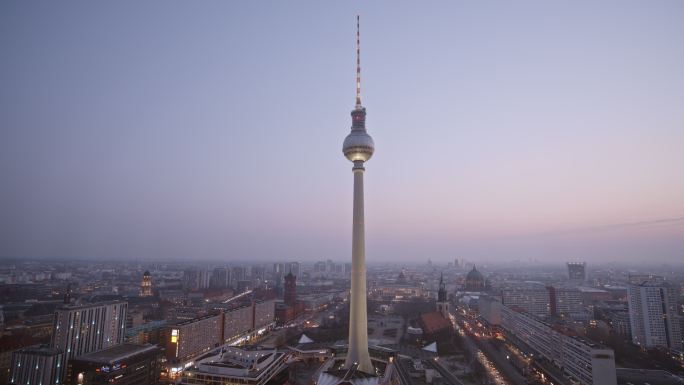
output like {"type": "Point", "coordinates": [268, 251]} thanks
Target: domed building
{"type": "Point", "coordinates": [401, 279]}
{"type": "Point", "coordinates": [474, 281]}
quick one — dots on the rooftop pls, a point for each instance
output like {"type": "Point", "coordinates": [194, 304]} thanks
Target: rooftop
{"type": "Point", "coordinates": [91, 304]}
{"type": "Point", "coordinates": [190, 321]}
{"type": "Point", "coordinates": [42, 350]}
{"type": "Point", "coordinates": [433, 322]}
{"type": "Point", "coordinates": [117, 353]}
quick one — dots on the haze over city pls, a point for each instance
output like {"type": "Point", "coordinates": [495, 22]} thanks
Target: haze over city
{"type": "Point", "coordinates": [505, 131]}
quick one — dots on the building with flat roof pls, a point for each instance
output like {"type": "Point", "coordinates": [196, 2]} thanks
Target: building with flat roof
{"type": "Point", "coordinates": [577, 271]}
{"type": "Point", "coordinates": [532, 297]}
{"type": "Point", "coordinates": [126, 364]}
{"type": "Point", "coordinates": [566, 302]}
{"type": "Point", "coordinates": [264, 314]}
{"type": "Point", "coordinates": [248, 365]}
{"type": "Point", "coordinates": [587, 362]}
{"type": "Point", "coordinates": [77, 330]}
{"type": "Point", "coordinates": [190, 338]}
{"type": "Point", "coordinates": [85, 328]}
{"type": "Point", "coordinates": [653, 314]}
{"type": "Point", "coordinates": [187, 340]}
{"type": "Point", "coordinates": [36, 365]}
{"type": "Point", "coordinates": [411, 371]}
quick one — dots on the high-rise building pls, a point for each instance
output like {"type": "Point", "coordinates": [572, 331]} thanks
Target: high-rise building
{"type": "Point", "coordinates": [37, 365]}
{"type": "Point", "coordinates": [319, 267]}
{"type": "Point", "coordinates": [187, 339]}
{"type": "Point", "coordinates": [577, 271]}
{"type": "Point", "coordinates": [87, 328]}
{"type": "Point", "coordinates": [653, 316]}
{"type": "Point", "coordinates": [532, 298]}
{"type": "Point", "coordinates": [236, 322]}
{"type": "Point", "coordinates": [146, 285]}
{"type": "Point", "coordinates": [192, 337]}
{"type": "Point", "coordinates": [203, 279]}
{"type": "Point", "coordinates": [238, 273]}
{"type": "Point", "coordinates": [197, 279]}
{"type": "Point", "coordinates": [295, 268]}
{"type": "Point", "coordinates": [219, 278]}
{"type": "Point", "coordinates": [619, 321]}
{"type": "Point", "coordinates": [358, 147]}
{"type": "Point", "coordinates": [279, 269]}
{"type": "Point", "coordinates": [258, 272]}
{"type": "Point", "coordinates": [584, 361]}
{"type": "Point", "coordinates": [264, 315]}
{"type": "Point", "coordinates": [290, 294]}
{"type": "Point", "coordinates": [566, 301]}
{"type": "Point", "coordinates": [329, 266]}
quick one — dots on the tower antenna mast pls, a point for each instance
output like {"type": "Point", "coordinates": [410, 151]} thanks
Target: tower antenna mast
{"type": "Point", "coordinates": [358, 64]}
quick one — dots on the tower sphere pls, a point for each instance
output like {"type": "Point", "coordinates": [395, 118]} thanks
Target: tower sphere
{"type": "Point", "coordinates": [358, 146]}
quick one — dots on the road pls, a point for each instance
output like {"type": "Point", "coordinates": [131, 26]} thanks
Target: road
{"type": "Point", "coordinates": [500, 370]}
{"type": "Point", "coordinates": [501, 361]}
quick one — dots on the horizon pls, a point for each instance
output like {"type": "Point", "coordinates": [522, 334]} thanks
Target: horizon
{"type": "Point", "coordinates": [527, 131]}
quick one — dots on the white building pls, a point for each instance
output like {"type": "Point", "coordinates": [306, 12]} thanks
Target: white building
{"type": "Point", "coordinates": [87, 328]}
{"type": "Point", "coordinates": [532, 297]}
{"type": "Point", "coordinates": [586, 362]}
{"type": "Point", "coordinates": [249, 365]}
{"type": "Point", "coordinates": [567, 301]}
{"type": "Point", "coordinates": [193, 337]}
{"type": "Point", "coordinates": [653, 313]}
{"type": "Point", "coordinates": [77, 330]}
{"type": "Point", "coordinates": [37, 365]}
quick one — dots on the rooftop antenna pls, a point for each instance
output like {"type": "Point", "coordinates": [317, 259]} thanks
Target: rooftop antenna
{"type": "Point", "coordinates": [358, 64]}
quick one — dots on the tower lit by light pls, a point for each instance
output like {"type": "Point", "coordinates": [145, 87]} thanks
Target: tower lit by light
{"type": "Point", "coordinates": [358, 147]}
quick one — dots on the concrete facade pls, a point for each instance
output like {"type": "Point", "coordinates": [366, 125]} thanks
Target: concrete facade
{"type": "Point", "coordinates": [358, 147]}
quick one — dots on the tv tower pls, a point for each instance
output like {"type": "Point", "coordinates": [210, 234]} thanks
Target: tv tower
{"type": "Point", "coordinates": [358, 147]}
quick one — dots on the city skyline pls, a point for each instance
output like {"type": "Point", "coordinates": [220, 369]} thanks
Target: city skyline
{"type": "Point", "coordinates": [546, 131]}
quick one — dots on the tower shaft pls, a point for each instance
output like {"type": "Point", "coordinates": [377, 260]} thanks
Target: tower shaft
{"type": "Point", "coordinates": [358, 317]}
{"type": "Point", "coordinates": [358, 147]}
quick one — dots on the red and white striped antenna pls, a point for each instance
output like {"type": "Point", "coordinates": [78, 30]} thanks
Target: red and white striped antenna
{"type": "Point", "coordinates": [358, 64]}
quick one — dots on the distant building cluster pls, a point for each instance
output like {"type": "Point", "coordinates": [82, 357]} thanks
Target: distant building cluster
{"type": "Point", "coordinates": [183, 323]}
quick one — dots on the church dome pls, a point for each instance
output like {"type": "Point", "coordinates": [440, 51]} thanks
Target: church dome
{"type": "Point", "coordinates": [474, 275]}
{"type": "Point", "coordinates": [475, 280]}
{"type": "Point", "coordinates": [401, 279]}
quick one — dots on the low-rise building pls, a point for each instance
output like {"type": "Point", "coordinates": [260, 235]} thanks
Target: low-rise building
{"type": "Point", "coordinates": [411, 371]}
{"type": "Point", "coordinates": [125, 364]}
{"type": "Point", "coordinates": [248, 365]}
{"type": "Point", "coordinates": [318, 301]}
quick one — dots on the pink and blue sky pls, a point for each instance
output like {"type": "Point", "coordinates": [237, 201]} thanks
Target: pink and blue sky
{"type": "Point", "coordinates": [504, 130]}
